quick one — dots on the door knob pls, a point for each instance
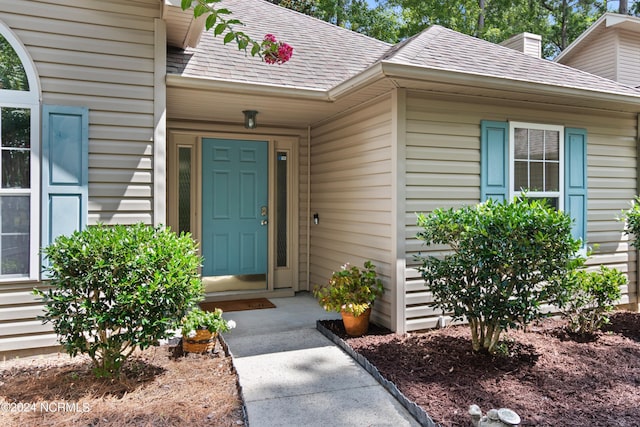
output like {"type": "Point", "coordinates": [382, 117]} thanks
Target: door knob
{"type": "Point", "coordinates": [264, 222]}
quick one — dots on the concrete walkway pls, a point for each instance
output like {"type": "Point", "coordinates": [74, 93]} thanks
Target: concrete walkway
{"type": "Point", "coordinates": [292, 375]}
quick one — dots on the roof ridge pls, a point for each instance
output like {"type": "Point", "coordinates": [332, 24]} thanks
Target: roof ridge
{"type": "Point", "coordinates": [398, 47]}
{"type": "Point", "coordinates": [319, 21]}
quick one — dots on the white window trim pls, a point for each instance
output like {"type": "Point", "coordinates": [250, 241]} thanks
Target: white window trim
{"type": "Point", "coordinates": [27, 99]}
{"type": "Point", "coordinates": [538, 126]}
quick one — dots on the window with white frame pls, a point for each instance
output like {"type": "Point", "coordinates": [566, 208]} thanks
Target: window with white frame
{"type": "Point", "coordinates": [19, 142]}
{"type": "Point", "coordinates": [537, 153]}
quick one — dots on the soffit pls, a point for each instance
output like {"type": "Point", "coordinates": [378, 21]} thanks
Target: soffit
{"type": "Point", "coordinates": [285, 110]}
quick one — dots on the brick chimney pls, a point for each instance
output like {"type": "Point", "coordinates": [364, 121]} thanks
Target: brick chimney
{"type": "Point", "coordinates": [527, 43]}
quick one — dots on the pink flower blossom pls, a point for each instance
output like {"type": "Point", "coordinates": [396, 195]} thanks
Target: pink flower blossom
{"type": "Point", "coordinates": [275, 52]}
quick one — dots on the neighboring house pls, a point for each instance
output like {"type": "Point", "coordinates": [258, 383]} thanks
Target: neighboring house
{"type": "Point", "coordinates": [354, 137]}
{"type": "Point", "coordinates": [609, 48]}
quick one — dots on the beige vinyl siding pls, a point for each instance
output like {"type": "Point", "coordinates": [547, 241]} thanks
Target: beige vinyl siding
{"type": "Point", "coordinates": [351, 175]}
{"type": "Point", "coordinates": [629, 59]}
{"type": "Point", "coordinates": [19, 328]}
{"type": "Point", "coordinates": [100, 55]}
{"type": "Point", "coordinates": [598, 56]}
{"type": "Point", "coordinates": [443, 170]}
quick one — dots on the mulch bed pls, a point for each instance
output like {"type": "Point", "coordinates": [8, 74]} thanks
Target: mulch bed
{"type": "Point", "coordinates": [547, 376]}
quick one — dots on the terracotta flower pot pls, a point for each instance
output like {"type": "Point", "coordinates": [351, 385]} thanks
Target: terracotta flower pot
{"type": "Point", "coordinates": [356, 326]}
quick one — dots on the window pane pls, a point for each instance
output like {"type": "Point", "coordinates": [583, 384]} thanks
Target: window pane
{"type": "Point", "coordinates": [14, 235]}
{"type": "Point", "coordinates": [15, 140]}
{"type": "Point", "coordinates": [552, 145]}
{"type": "Point", "coordinates": [15, 254]}
{"type": "Point", "coordinates": [552, 179]}
{"type": "Point", "coordinates": [16, 127]}
{"type": "Point", "coordinates": [281, 204]}
{"type": "Point", "coordinates": [521, 144]}
{"type": "Point", "coordinates": [536, 179]}
{"type": "Point", "coordinates": [14, 214]}
{"type": "Point", "coordinates": [12, 74]}
{"type": "Point", "coordinates": [184, 190]}
{"type": "Point", "coordinates": [521, 180]}
{"type": "Point", "coordinates": [15, 169]}
{"type": "Point", "coordinates": [536, 144]}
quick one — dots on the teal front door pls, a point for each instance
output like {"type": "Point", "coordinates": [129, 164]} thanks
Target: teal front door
{"type": "Point", "coordinates": [234, 207]}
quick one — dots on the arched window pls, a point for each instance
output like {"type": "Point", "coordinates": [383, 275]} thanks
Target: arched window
{"type": "Point", "coordinates": [19, 160]}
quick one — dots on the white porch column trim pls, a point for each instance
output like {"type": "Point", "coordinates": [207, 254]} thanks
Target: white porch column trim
{"type": "Point", "coordinates": [160, 124]}
{"type": "Point", "coordinates": [398, 183]}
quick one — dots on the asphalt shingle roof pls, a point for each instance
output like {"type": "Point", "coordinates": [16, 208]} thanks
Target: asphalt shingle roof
{"type": "Point", "coordinates": [326, 55]}
{"type": "Point", "coordinates": [440, 48]}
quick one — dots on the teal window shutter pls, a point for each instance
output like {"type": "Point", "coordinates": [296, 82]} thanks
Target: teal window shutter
{"type": "Point", "coordinates": [65, 170]}
{"type": "Point", "coordinates": [575, 178]}
{"type": "Point", "coordinates": [494, 162]}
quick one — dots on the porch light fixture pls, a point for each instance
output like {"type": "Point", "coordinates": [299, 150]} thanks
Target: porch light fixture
{"type": "Point", "coordinates": [250, 121]}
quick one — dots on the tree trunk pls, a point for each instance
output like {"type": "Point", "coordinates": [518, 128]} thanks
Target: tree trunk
{"type": "Point", "coordinates": [481, 4]}
{"type": "Point", "coordinates": [475, 339]}
{"type": "Point", "coordinates": [565, 18]}
{"type": "Point", "coordinates": [624, 7]}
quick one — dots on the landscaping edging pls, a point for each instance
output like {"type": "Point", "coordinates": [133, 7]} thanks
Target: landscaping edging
{"type": "Point", "coordinates": [228, 353]}
{"type": "Point", "coordinates": [418, 413]}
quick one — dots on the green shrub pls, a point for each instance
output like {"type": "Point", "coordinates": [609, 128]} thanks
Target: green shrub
{"type": "Point", "coordinates": [118, 288]}
{"type": "Point", "coordinates": [632, 220]}
{"type": "Point", "coordinates": [590, 296]}
{"type": "Point", "coordinates": [506, 259]}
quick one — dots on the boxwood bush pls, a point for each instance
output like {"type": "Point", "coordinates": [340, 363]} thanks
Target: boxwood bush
{"type": "Point", "coordinates": [506, 259]}
{"type": "Point", "coordinates": [118, 288]}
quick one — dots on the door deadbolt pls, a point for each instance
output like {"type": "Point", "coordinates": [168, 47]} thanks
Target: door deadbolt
{"type": "Point", "coordinates": [263, 211]}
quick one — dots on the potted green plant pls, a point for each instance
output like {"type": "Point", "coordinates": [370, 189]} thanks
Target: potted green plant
{"type": "Point", "coordinates": [201, 328]}
{"type": "Point", "coordinates": [351, 292]}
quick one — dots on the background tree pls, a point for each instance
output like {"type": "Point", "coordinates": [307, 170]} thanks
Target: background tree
{"type": "Point", "coordinates": [381, 22]}
{"type": "Point", "coordinates": [568, 19]}
{"type": "Point", "coordinates": [12, 74]}
{"type": "Point", "coordinates": [559, 22]}
{"type": "Point", "coordinates": [308, 7]}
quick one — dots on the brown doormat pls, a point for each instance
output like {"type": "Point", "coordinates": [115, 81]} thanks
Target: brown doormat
{"type": "Point", "coordinates": [238, 305]}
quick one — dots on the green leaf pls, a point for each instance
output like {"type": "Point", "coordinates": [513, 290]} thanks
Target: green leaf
{"type": "Point", "coordinates": [211, 21]}
{"type": "Point", "coordinates": [219, 29]}
{"type": "Point", "coordinates": [186, 4]}
{"type": "Point", "coordinates": [229, 37]}
{"type": "Point", "coordinates": [199, 10]}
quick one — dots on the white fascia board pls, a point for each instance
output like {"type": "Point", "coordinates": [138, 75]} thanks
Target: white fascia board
{"type": "Point", "coordinates": [368, 76]}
